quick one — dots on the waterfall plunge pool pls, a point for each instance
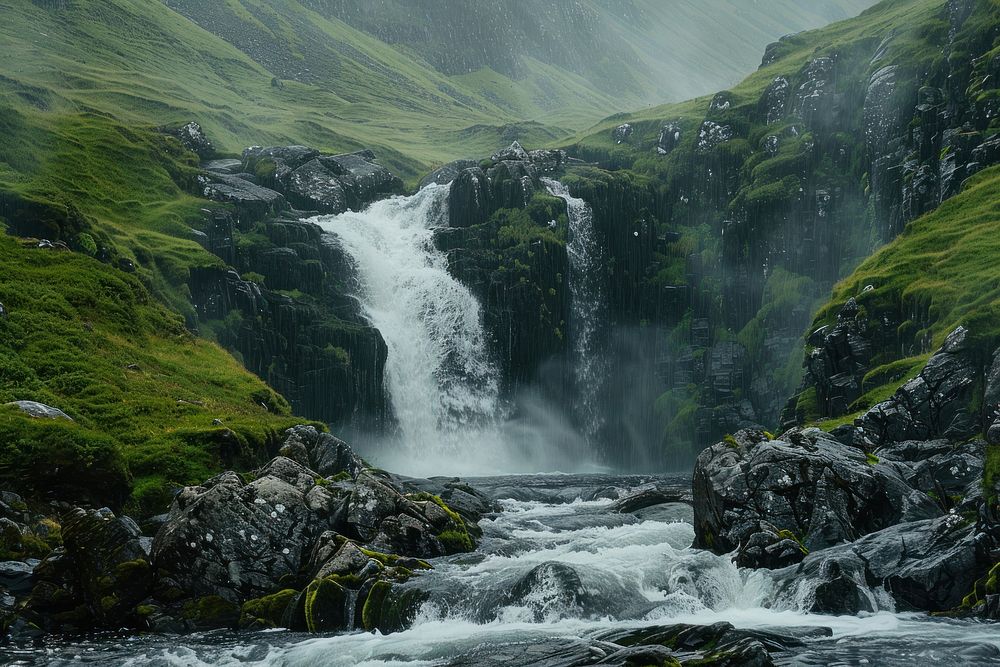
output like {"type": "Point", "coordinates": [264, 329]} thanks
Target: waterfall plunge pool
{"type": "Point", "coordinates": [552, 575]}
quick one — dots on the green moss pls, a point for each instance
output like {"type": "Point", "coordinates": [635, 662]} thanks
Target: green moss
{"type": "Point", "coordinates": [983, 587]}
{"type": "Point", "coordinates": [871, 459]}
{"type": "Point", "coordinates": [389, 609]}
{"type": "Point", "coordinates": [212, 611]}
{"type": "Point", "coordinates": [266, 611]}
{"type": "Point", "coordinates": [456, 541]}
{"type": "Point", "coordinates": [730, 441]}
{"type": "Point", "coordinates": [325, 605]}
{"type": "Point", "coordinates": [372, 610]}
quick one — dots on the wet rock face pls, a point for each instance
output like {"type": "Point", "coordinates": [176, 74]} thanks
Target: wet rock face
{"type": "Point", "coordinates": [839, 360]}
{"type": "Point", "coordinates": [774, 102]}
{"type": "Point", "coordinates": [97, 578]}
{"type": "Point", "coordinates": [816, 100]}
{"type": "Point", "coordinates": [806, 483]}
{"type": "Point", "coordinates": [711, 134]}
{"type": "Point", "coordinates": [936, 403]}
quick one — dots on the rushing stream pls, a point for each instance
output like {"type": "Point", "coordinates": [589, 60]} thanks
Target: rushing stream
{"type": "Point", "coordinates": [553, 573]}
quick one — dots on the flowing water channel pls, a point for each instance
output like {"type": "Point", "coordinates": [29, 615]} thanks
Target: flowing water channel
{"type": "Point", "coordinates": [557, 569]}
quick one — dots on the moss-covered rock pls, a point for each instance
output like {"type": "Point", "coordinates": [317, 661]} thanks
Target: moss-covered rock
{"type": "Point", "coordinates": [212, 611]}
{"type": "Point", "coordinates": [267, 611]}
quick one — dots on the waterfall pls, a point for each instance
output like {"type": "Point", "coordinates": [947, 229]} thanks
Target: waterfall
{"type": "Point", "coordinates": [588, 307]}
{"type": "Point", "coordinates": [441, 380]}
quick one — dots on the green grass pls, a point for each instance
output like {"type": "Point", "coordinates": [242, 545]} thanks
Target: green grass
{"type": "Point", "coordinates": [91, 340]}
{"type": "Point", "coordinates": [939, 273]}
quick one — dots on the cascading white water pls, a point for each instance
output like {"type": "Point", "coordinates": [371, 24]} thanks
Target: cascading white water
{"type": "Point", "coordinates": [588, 305]}
{"type": "Point", "coordinates": [439, 374]}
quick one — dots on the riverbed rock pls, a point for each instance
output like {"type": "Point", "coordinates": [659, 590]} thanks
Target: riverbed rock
{"type": "Point", "coordinates": [926, 565]}
{"type": "Point", "coordinates": [807, 483]}
{"type": "Point", "coordinates": [235, 540]}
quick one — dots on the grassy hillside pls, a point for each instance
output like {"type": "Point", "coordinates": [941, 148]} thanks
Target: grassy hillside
{"type": "Point", "coordinates": [90, 339]}
{"type": "Point", "coordinates": [292, 71]}
{"type": "Point", "coordinates": [941, 272]}
{"type": "Point", "coordinates": [907, 16]}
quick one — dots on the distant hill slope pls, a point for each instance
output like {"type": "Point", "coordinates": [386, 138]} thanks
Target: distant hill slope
{"type": "Point", "coordinates": [398, 77]}
{"type": "Point", "coordinates": [639, 51]}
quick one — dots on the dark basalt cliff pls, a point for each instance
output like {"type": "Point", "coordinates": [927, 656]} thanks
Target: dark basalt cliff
{"type": "Point", "coordinates": [283, 306]}
{"type": "Point", "coordinates": [760, 198]}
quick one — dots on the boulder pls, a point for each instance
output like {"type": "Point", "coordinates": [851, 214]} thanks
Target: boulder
{"type": "Point", "coordinates": [314, 187]}
{"type": "Point", "coordinates": [224, 166]}
{"type": "Point", "coordinates": [286, 158]}
{"type": "Point", "coordinates": [363, 179]}
{"type": "Point", "coordinates": [447, 173]}
{"type": "Point", "coordinates": [807, 483]}
{"type": "Point", "coordinates": [98, 578]}
{"type": "Point", "coordinates": [926, 565]}
{"type": "Point", "coordinates": [327, 455]}
{"type": "Point", "coordinates": [193, 138]}
{"type": "Point", "coordinates": [621, 133]}
{"type": "Point", "coordinates": [547, 161]}
{"type": "Point", "coordinates": [252, 202]}
{"type": "Point", "coordinates": [648, 496]}
{"type": "Point", "coordinates": [670, 137]}
{"type": "Point", "coordinates": [236, 540]}
{"type": "Point", "coordinates": [512, 152]}
{"type": "Point", "coordinates": [39, 410]}
{"type": "Point", "coordinates": [711, 134]}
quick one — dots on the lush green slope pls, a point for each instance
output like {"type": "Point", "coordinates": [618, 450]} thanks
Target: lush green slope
{"type": "Point", "coordinates": [941, 272]}
{"type": "Point", "coordinates": [90, 339]}
{"type": "Point", "coordinates": [144, 64]}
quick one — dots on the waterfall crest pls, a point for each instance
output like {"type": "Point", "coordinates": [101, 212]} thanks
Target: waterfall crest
{"type": "Point", "coordinates": [439, 374]}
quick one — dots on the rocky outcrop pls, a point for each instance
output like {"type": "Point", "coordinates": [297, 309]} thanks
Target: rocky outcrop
{"type": "Point", "coordinates": [193, 137]}
{"type": "Point", "coordinates": [96, 580]}
{"type": "Point", "coordinates": [275, 176]}
{"type": "Point", "coordinates": [283, 546]}
{"type": "Point", "coordinates": [809, 486]}
{"type": "Point", "coordinates": [306, 344]}
{"type": "Point", "coordinates": [506, 240]}
{"type": "Point", "coordinates": [936, 403]}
